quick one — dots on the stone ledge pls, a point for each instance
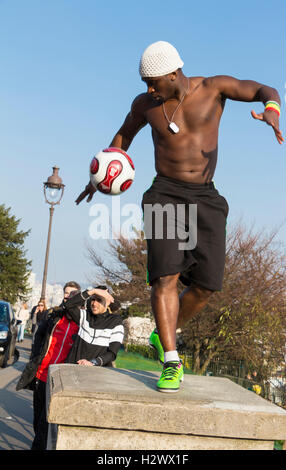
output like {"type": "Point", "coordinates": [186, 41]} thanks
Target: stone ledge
{"type": "Point", "coordinates": [118, 399]}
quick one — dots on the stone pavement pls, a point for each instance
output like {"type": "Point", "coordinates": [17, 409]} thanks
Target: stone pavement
{"type": "Point", "coordinates": [16, 411]}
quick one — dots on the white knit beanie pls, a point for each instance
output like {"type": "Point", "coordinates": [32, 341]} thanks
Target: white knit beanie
{"type": "Point", "coordinates": [160, 58]}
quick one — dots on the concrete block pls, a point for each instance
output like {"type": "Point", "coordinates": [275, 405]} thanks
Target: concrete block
{"type": "Point", "coordinates": [207, 411]}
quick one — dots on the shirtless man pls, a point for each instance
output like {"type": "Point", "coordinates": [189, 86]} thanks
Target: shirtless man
{"type": "Point", "coordinates": [184, 114]}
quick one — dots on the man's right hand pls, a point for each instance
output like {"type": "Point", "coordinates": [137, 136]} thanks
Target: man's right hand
{"type": "Point", "coordinates": [102, 293]}
{"type": "Point", "coordinates": [88, 191]}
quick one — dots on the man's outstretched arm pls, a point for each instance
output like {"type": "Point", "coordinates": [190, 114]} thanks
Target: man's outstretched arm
{"type": "Point", "coordinates": [251, 91]}
{"type": "Point", "coordinates": [134, 121]}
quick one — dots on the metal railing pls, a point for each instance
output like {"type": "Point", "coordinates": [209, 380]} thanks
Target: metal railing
{"type": "Point", "coordinates": [273, 389]}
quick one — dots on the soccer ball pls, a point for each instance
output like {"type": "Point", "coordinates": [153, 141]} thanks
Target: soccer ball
{"type": "Point", "coordinates": [112, 171]}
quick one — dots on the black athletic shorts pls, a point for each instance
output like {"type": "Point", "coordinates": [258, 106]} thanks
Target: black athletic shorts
{"type": "Point", "coordinates": [191, 238]}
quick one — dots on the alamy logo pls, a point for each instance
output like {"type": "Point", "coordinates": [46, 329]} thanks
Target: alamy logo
{"type": "Point", "coordinates": [172, 222]}
{"type": "Point", "coordinates": [169, 221]}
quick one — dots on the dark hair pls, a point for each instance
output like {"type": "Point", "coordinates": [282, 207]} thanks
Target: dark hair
{"type": "Point", "coordinates": [115, 305]}
{"type": "Point", "coordinates": [72, 284]}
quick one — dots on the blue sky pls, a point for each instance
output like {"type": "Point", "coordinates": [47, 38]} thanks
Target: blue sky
{"type": "Point", "coordinates": [69, 72]}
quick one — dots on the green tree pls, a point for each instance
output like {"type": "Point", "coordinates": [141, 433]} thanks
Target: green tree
{"type": "Point", "coordinates": [123, 268]}
{"type": "Point", "coordinates": [14, 266]}
{"type": "Point", "coordinates": [245, 321]}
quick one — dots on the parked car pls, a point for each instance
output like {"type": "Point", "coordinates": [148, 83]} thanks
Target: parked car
{"type": "Point", "coordinates": [8, 333]}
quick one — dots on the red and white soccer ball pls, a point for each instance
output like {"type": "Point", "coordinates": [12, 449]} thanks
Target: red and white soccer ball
{"type": "Point", "coordinates": [112, 171]}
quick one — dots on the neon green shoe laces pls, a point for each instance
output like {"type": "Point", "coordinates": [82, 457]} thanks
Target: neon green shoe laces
{"type": "Point", "coordinates": [155, 343]}
{"type": "Point", "coordinates": [172, 375]}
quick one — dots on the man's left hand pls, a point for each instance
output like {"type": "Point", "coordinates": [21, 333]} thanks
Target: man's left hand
{"type": "Point", "coordinates": [84, 362]}
{"type": "Point", "coordinates": [272, 119]}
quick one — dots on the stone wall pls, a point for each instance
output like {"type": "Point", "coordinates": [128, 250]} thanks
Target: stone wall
{"type": "Point", "coordinates": [100, 408]}
{"type": "Point", "coordinates": [137, 330]}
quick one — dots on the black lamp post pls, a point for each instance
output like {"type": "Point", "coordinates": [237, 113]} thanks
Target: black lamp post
{"type": "Point", "coordinates": [53, 191]}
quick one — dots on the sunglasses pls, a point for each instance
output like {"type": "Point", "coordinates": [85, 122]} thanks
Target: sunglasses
{"type": "Point", "coordinates": [98, 299]}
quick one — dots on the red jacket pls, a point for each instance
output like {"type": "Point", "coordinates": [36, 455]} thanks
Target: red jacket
{"type": "Point", "coordinates": [61, 341]}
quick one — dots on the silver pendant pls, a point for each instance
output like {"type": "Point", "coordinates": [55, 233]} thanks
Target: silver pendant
{"type": "Point", "coordinates": [174, 128]}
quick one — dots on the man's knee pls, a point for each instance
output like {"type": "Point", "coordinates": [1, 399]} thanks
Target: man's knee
{"type": "Point", "coordinates": [165, 282]}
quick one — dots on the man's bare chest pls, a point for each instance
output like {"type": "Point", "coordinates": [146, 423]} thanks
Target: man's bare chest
{"type": "Point", "coordinates": [191, 116]}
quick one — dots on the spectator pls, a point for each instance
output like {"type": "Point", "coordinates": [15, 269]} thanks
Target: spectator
{"type": "Point", "coordinates": [36, 315]}
{"type": "Point", "coordinates": [100, 332]}
{"type": "Point", "coordinates": [23, 315]}
{"type": "Point", "coordinates": [53, 341]}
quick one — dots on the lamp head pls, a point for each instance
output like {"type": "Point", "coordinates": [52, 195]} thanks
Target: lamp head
{"type": "Point", "coordinates": [54, 187]}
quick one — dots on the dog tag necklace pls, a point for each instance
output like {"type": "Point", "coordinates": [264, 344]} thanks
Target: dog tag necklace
{"type": "Point", "coordinates": [172, 125]}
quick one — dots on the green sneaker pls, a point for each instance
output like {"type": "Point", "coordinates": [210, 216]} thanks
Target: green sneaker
{"type": "Point", "coordinates": [172, 375]}
{"type": "Point", "coordinates": [155, 343]}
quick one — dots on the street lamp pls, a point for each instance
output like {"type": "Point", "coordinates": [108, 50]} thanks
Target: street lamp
{"type": "Point", "coordinates": [53, 191]}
